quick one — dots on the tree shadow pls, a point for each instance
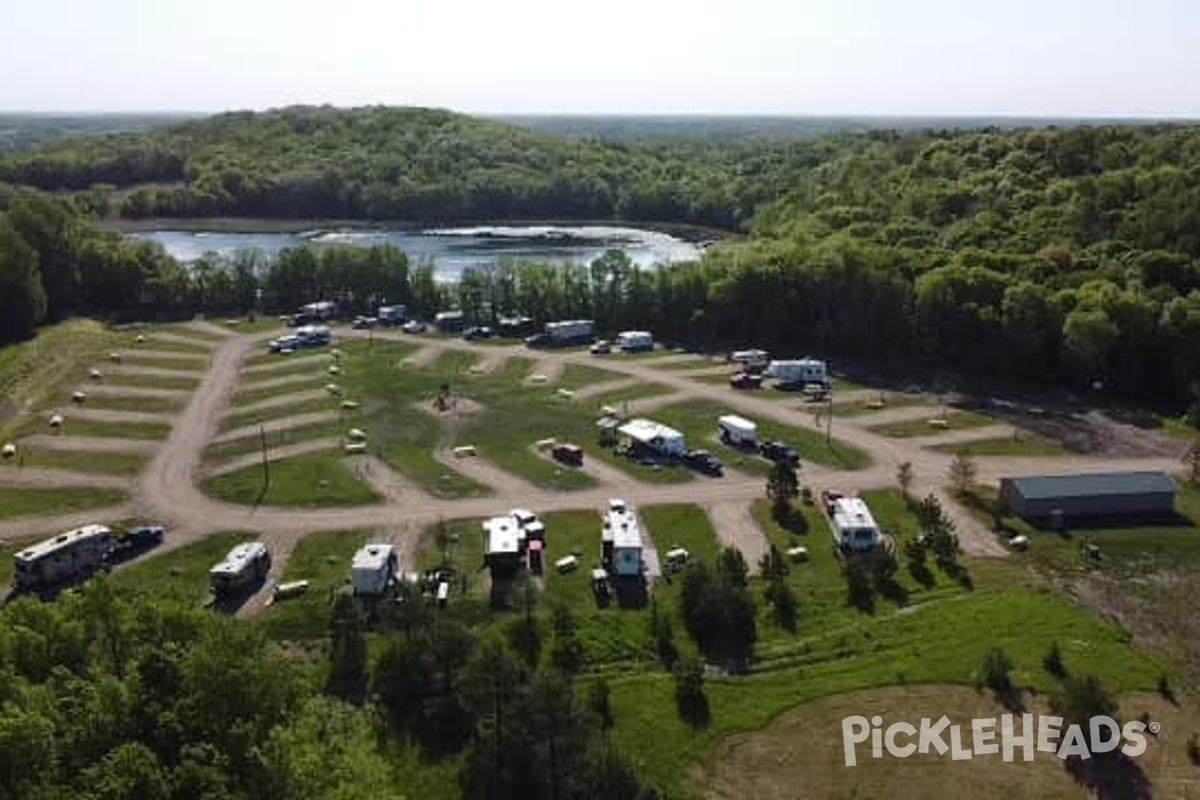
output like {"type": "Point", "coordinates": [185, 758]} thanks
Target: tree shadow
{"type": "Point", "coordinates": [859, 592]}
{"type": "Point", "coordinates": [1112, 776]}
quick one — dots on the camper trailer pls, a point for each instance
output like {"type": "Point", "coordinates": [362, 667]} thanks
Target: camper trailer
{"type": "Point", "coordinates": [737, 431]}
{"type": "Point", "coordinates": [621, 540]}
{"type": "Point", "coordinates": [373, 568]}
{"type": "Point", "coordinates": [69, 556]}
{"type": "Point", "coordinates": [564, 333]}
{"type": "Point", "coordinates": [243, 568]}
{"type": "Point", "coordinates": [751, 360]}
{"type": "Point", "coordinates": [392, 315]}
{"type": "Point", "coordinates": [799, 372]}
{"type": "Point", "coordinates": [450, 321]}
{"type": "Point", "coordinates": [854, 529]}
{"type": "Point", "coordinates": [635, 341]}
{"type": "Point", "coordinates": [649, 436]}
{"type": "Point", "coordinates": [502, 545]}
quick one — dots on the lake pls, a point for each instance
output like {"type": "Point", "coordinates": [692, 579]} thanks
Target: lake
{"type": "Point", "coordinates": [451, 250]}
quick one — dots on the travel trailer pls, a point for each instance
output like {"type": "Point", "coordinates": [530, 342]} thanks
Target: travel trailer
{"type": "Point", "coordinates": [373, 569]}
{"type": "Point", "coordinates": [69, 556]}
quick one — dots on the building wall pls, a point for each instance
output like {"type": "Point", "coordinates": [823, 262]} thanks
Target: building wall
{"type": "Point", "coordinates": [1108, 505]}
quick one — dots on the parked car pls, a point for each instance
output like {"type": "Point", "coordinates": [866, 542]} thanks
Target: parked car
{"type": "Point", "coordinates": [601, 348]}
{"type": "Point", "coordinates": [568, 454]}
{"type": "Point", "coordinates": [413, 326]}
{"type": "Point", "coordinates": [780, 453]}
{"type": "Point", "coordinates": [744, 380]}
{"type": "Point", "coordinates": [479, 332]}
{"type": "Point", "coordinates": [364, 323]}
{"type": "Point", "coordinates": [285, 344]}
{"type": "Point", "coordinates": [704, 461]}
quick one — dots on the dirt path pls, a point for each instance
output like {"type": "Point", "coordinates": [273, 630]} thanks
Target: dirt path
{"type": "Point", "coordinates": [488, 364]}
{"type": "Point", "coordinates": [647, 405]}
{"type": "Point", "coordinates": [391, 485]}
{"type": "Point", "coordinates": [889, 416]}
{"type": "Point", "coordinates": [273, 426]}
{"type": "Point", "coordinates": [422, 357]}
{"type": "Point", "coordinates": [606, 387]}
{"type": "Point", "coordinates": [203, 326]}
{"type": "Point", "coordinates": [276, 454]}
{"type": "Point", "coordinates": [24, 527]}
{"type": "Point", "coordinates": [90, 444]}
{"type": "Point", "coordinates": [551, 369]}
{"type": "Point", "coordinates": [603, 473]}
{"type": "Point", "coordinates": [736, 528]}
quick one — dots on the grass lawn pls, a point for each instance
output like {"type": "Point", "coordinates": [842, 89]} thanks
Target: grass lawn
{"type": "Point", "coordinates": [323, 559]}
{"type": "Point", "coordinates": [181, 573]}
{"type": "Point", "coordinates": [199, 344]}
{"type": "Point", "coordinates": [261, 324]}
{"type": "Point", "coordinates": [112, 463]}
{"type": "Point", "coordinates": [681, 525]}
{"type": "Point", "coordinates": [249, 394]}
{"type": "Point", "coordinates": [181, 364]}
{"type": "Point", "coordinates": [147, 404]}
{"type": "Point", "coordinates": [697, 420]}
{"type": "Point", "coordinates": [891, 400]}
{"type": "Point", "coordinates": [577, 376]}
{"type": "Point", "coordinates": [316, 480]}
{"type": "Point", "coordinates": [1024, 443]}
{"type": "Point", "coordinates": [22, 501]}
{"type": "Point", "coordinates": [956, 420]}
{"type": "Point", "coordinates": [618, 398]}
{"type": "Point", "coordinates": [89, 427]}
{"type": "Point", "coordinates": [224, 451]}
{"type": "Point", "coordinates": [58, 357]}
{"type": "Point", "coordinates": [242, 419]}
{"type": "Point", "coordinates": [182, 382]}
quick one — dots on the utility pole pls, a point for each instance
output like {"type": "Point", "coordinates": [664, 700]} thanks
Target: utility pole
{"type": "Point", "coordinates": [266, 461]}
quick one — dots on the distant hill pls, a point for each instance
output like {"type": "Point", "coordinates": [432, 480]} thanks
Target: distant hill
{"type": "Point", "coordinates": [20, 131]}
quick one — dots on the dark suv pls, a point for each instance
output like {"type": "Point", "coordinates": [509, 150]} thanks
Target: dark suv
{"type": "Point", "coordinates": [704, 461]}
{"type": "Point", "coordinates": [780, 453]}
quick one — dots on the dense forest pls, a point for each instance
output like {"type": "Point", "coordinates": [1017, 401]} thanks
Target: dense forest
{"type": "Point", "coordinates": [1057, 257]}
{"type": "Point", "coordinates": [107, 695]}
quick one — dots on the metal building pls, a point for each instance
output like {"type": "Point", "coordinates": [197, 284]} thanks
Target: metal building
{"type": "Point", "coordinates": [1107, 494]}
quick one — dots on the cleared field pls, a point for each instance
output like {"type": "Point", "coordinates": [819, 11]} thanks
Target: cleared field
{"type": "Point", "coordinates": [883, 402]}
{"type": "Point", "coordinates": [19, 501]}
{"type": "Point", "coordinates": [249, 394]}
{"type": "Point", "coordinates": [158, 361]}
{"type": "Point", "coordinates": [181, 573]}
{"type": "Point", "coordinates": [116, 402]}
{"type": "Point", "coordinates": [681, 525]}
{"type": "Point", "coordinates": [224, 451]}
{"type": "Point", "coordinates": [88, 427]}
{"type": "Point", "coordinates": [956, 420]}
{"type": "Point", "coordinates": [317, 480]}
{"type": "Point", "coordinates": [110, 463]}
{"type": "Point", "coordinates": [244, 419]}
{"type": "Point", "coordinates": [323, 559]}
{"type": "Point", "coordinates": [181, 382]}
{"type": "Point", "coordinates": [577, 376]}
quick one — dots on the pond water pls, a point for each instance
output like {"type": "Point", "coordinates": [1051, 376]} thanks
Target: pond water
{"type": "Point", "coordinates": [451, 250]}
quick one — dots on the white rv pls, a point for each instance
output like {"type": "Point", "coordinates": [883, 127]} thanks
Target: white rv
{"type": "Point", "coordinates": [737, 431]}
{"type": "Point", "coordinates": [244, 566]}
{"type": "Point", "coordinates": [68, 556]}
{"type": "Point", "coordinates": [799, 372]}
{"type": "Point", "coordinates": [654, 436]}
{"type": "Point", "coordinates": [854, 529]}
{"type": "Point", "coordinates": [750, 359]}
{"type": "Point", "coordinates": [373, 568]}
{"type": "Point", "coordinates": [635, 341]}
{"type": "Point", "coordinates": [622, 540]}
{"type": "Point", "coordinates": [502, 538]}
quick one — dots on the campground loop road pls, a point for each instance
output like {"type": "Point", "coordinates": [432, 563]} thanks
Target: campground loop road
{"type": "Point", "coordinates": [167, 489]}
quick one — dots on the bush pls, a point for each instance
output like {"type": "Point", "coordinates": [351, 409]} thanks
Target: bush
{"type": "Point", "coordinates": [689, 694]}
{"type": "Point", "coordinates": [1053, 661]}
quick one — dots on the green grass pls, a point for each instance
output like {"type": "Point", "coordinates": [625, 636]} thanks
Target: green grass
{"type": "Point", "coordinates": [58, 357]}
{"type": "Point", "coordinates": [197, 365]}
{"type": "Point", "coordinates": [311, 481]}
{"type": "Point", "coordinates": [681, 525]}
{"type": "Point", "coordinates": [146, 404]}
{"type": "Point", "coordinates": [21, 501]}
{"type": "Point", "coordinates": [891, 400]}
{"type": "Point", "coordinates": [1023, 443]}
{"type": "Point", "coordinates": [618, 398]}
{"type": "Point", "coordinates": [244, 419]}
{"type": "Point", "coordinates": [182, 382]}
{"type": "Point", "coordinates": [568, 532]}
{"type": "Point", "coordinates": [956, 420]}
{"type": "Point", "coordinates": [261, 324]}
{"type": "Point", "coordinates": [248, 380]}
{"type": "Point", "coordinates": [182, 573]}
{"type": "Point", "coordinates": [111, 463]}
{"type": "Point", "coordinates": [225, 451]}
{"type": "Point", "coordinates": [148, 431]}
{"type": "Point", "coordinates": [577, 376]}
{"type": "Point", "coordinates": [248, 395]}
{"type": "Point", "coordinates": [323, 559]}
{"type": "Point", "coordinates": [697, 420]}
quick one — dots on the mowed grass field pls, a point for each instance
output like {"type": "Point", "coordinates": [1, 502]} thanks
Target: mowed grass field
{"type": "Point", "coordinates": [22, 501]}
{"type": "Point", "coordinates": [956, 420]}
{"type": "Point", "coordinates": [181, 573]}
{"type": "Point", "coordinates": [107, 463]}
{"type": "Point", "coordinates": [1022, 443]}
{"type": "Point", "coordinates": [322, 559]}
{"type": "Point", "coordinates": [318, 480]}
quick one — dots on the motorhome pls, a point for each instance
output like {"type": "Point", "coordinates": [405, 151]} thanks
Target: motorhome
{"type": "Point", "coordinates": [69, 556]}
{"type": "Point", "coordinates": [854, 529]}
{"type": "Point", "coordinates": [564, 333]}
{"type": "Point", "coordinates": [373, 569]}
{"type": "Point", "coordinates": [635, 341]}
{"type": "Point", "coordinates": [244, 567]}
{"type": "Point", "coordinates": [502, 545]}
{"type": "Point", "coordinates": [751, 360]}
{"type": "Point", "coordinates": [654, 437]}
{"type": "Point", "coordinates": [621, 540]}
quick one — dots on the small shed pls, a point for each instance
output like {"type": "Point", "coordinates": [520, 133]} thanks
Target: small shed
{"type": "Point", "coordinates": [1103, 494]}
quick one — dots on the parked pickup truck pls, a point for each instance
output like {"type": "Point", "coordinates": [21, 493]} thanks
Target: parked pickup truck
{"type": "Point", "coordinates": [745, 380]}
{"type": "Point", "coordinates": [704, 461]}
{"type": "Point", "coordinates": [780, 453]}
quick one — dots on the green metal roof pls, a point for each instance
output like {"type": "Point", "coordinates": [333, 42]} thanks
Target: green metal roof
{"type": "Point", "coordinates": [1043, 487]}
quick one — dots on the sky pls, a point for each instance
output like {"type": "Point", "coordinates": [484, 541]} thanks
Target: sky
{"type": "Point", "coordinates": [1075, 58]}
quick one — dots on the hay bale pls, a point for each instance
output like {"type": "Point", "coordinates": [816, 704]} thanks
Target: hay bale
{"type": "Point", "coordinates": [334, 369]}
{"type": "Point", "coordinates": [57, 420]}
{"type": "Point", "coordinates": [333, 389]}
{"type": "Point", "coordinates": [114, 357]}
{"type": "Point", "coordinates": [9, 450]}
{"type": "Point", "coordinates": [357, 434]}
{"type": "Point", "coordinates": [939, 423]}
{"type": "Point", "coordinates": [95, 374]}
{"type": "Point", "coordinates": [538, 377]}
{"type": "Point", "coordinates": [349, 405]}
{"type": "Point", "coordinates": [566, 394]}
{"type": "Point", "coordinates": [79, 397]}
{"type": "Point", "coordinates": [140, 339]}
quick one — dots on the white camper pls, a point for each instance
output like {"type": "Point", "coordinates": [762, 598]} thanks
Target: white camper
{"type": "Point", "coordinates": [654, 436]}
{"type": "Point", "coordinates": [750, 359]}
{"type": "Point", "coordinates": [244, 566]}
{"type": "Point", "coordinates": [621, 539]}
{"type": "Point", "coordinates": [373, 568]}
{"type": "Point", "coordinates": [74, 554]}
{"type": "Point", "coordinates": [635, 341]}
{"type": "Point", "coordinates": [799, 372]}
{"type": "Point", "coordinates": [854, 529]}
{"type": "Point", "coordinates": [737, 431]}
{"type": "Point", "coordinates": [502, 539]}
